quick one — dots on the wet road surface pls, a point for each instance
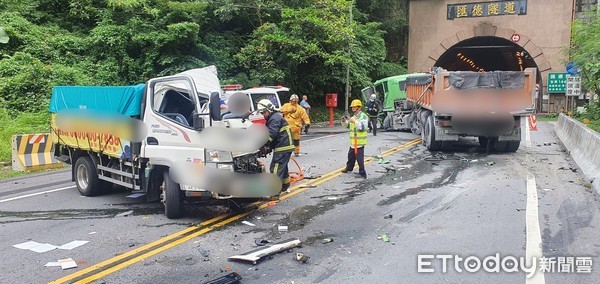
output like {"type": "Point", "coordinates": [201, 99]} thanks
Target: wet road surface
{"type": "Point", "coordinates": [464, 202]}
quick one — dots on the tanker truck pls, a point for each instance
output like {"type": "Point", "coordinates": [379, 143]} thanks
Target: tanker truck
{"type": "Point", "coordinates": [446, 105]}
{"type": "Point", "coordinates": [164, 139]}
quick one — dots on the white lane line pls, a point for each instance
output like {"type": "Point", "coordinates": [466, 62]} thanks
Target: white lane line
{"type": "Point", "coordinates": [35, 194]}
{"type": "Point", "coordinates": [534, 236]}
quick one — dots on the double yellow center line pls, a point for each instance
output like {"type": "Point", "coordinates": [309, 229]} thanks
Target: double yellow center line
{"type": "Point", "coordinates": [121, 261]}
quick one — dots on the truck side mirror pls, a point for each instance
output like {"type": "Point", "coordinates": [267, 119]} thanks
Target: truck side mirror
{"type": "Point", "coordinates": [215, 106]}
{"type": "Point", "coordinates": [198, 122]}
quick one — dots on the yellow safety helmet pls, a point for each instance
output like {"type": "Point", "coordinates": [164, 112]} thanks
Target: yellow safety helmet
{"type": "Point", "coordinates": [356, 103]}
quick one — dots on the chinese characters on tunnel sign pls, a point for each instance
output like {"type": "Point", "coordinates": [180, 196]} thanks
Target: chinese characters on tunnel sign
{"type": "Point", "coordinates": [486, 9]}
{"type": "Point", "coordinates": [557, 82]}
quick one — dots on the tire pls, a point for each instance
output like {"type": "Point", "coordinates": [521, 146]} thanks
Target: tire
{"type": "Point", "coordinates": [86, 177]}
{"type": "Point", "coordinates": [513, 146]}
{"type": "Point", "coordinates": [500, 146]}
{"type": "Point", "coordinates": [172, 197]}
{"type": "Point", "coordinates": [387, 123]}
{"type": "Point", "coordinates": [429, 133]}
{"type": "Point", "coordinates": [483, 141]}
{"type": "Point", "coordinates": [414, 122]}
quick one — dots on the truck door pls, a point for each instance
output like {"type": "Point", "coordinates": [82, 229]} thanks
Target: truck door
{"type": "Point", "coordinates": [171, 104]}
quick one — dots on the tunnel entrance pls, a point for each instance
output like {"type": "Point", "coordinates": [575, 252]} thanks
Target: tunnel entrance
{"type": "Point", "coordinates": [485, 53]}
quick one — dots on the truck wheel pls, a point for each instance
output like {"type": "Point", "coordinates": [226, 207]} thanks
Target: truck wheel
{"type": "Point", "coordinates": [171, 197]}
{"type": "Point", "coordinates": [415, 125]}
{"type": "Point", "coordinates": [387, 122]}
{"type": "Point", "coordinates": [513, 146]}
{"type": "Point", "coordinates": [483, 141]}
{"type": "Point", "coordinates": [429, 133]}
{"type": "Point", "coordinates": [500, 146]}
{"type": "Point", "coordinates": [86, 177]}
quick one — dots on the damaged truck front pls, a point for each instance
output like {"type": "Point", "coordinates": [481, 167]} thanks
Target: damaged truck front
{"type": "Point", "coordinates": [164, 139]}
{"type": "Point", "coordinates": [447, 105]}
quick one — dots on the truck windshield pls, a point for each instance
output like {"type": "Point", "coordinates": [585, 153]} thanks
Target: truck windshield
{"type": "Point", "coordinates": [284, 96]}
{"type": "Point", "coordinates": [271, 97]}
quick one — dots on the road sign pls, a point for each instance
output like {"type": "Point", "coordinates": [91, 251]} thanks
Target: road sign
{"type": "Point", "coordinates": [573, 86]}
{"type": "Point", "coordinates": [572, 69]}
{"type": "Point", "coordinates": [516, 37]}
{"type": "Point", "coordinates": [557, 82]}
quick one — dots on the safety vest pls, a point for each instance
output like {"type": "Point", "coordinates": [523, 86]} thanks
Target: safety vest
{"type": "Point", "coordinates": [361, 135]}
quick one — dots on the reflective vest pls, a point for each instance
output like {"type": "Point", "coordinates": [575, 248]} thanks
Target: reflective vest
{"type": "Point", "coordinates": [361, 135]}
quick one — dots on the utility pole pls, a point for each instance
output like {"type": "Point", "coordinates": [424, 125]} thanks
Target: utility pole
{"type": "Point", "coordinates": [348, 66]}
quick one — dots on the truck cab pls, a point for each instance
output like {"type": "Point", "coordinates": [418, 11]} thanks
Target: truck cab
{"type": "Point", "coordinates": [176, 147]}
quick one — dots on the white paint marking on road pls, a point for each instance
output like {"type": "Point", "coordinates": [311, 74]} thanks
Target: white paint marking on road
{"type": "Point", "coordinates": [534, 236]}
{"type": "Point", "coordinates": [35, 194]}
{"type": "Point", "coordinates": [527, 134]}
{"type": "Point", "coordinates": [319, 138]}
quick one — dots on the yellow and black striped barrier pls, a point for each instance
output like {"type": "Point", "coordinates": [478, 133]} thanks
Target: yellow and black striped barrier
{"type": "Point", "coordinates": [33, 152]}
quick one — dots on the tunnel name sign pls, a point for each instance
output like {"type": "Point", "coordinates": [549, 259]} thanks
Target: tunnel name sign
{"type": "Point", "coordinates": [487, 9]}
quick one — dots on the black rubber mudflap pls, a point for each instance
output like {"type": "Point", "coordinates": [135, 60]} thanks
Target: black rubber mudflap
{"type": "Point", "coordinates": [230, 278]}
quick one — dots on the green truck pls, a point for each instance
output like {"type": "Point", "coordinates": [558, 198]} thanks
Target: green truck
{"type": "Point", "coordinates": [391, 91]}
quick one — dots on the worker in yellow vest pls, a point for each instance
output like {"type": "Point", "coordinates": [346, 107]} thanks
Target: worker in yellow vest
{"type": "Point", "coordinates": [295, 115]}
{"type": "Point", "coordinates": [358, 125]}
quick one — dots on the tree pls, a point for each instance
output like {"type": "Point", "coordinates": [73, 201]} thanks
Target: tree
{"type": "Point", "coordinates": [585, 52]}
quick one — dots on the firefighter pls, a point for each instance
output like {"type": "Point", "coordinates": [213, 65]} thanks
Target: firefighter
{"type": "Point", "coordinates": [358, 125]}
{"type": "Point", "coordinates": [280, 141]}
{"type": "Point", "coordinates": [296, 116]}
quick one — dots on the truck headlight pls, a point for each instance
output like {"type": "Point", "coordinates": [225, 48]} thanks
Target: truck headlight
{"type": "Point", "coordinates": [228, 167]}
{"type": "Point", "coordinates": [219, 157]}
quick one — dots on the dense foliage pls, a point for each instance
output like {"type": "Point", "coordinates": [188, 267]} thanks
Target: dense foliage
{"type": "Point", "coordinates": [304, 44]}
{"type": "Point", "coordinates": [585, 52]}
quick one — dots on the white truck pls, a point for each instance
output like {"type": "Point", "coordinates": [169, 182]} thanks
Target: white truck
{"type": "Point", "coordinates": [164, 139]}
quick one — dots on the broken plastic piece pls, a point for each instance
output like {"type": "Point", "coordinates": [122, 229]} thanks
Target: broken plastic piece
{"type": "Point", "coordinates": [385, 238]}
{"type": "Point", "coordinates": [261, 243]}
{"type": "Point", "coordinates": [388, 216]}
{"type": "Point", "coordinates": [248, 223]}
{"type": "Point", "coordinates": [490, 163]}
{"type": "Point", "coordinates": [327, 240]}
{"type": "Point", "coordinates": [230, 278]}
{"type": "Point", "coordinates": [255, 255]}
{"type": "Point", "coordinates": [282, 228]}
{"type": "Point", "coordinates": [67, 263]}
{"type": "Point", "coordinates": [301, 257]}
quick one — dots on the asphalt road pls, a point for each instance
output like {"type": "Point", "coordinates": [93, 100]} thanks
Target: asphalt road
{"type": "Point", "coordinates": [464, 203]}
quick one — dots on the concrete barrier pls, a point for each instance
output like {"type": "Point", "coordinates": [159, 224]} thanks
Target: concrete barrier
{"type": "Point", "coordinates": [33, 152]}
{"type": "Point", "coordinates": [583, 144]}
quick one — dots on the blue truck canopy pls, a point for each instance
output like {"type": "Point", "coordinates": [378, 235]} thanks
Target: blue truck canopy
{"type": "Point", "coordinates": [125, 100]}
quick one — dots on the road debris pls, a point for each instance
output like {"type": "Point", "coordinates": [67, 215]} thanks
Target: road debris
{"type": "Point", "coordinates": [282, 228]}
{"type": "Point", "coordinates": [327, 240]}
{"type": "Point", "coordinates": [384, 237]}
{"type": "Point", "coordinates": [301, 257]}
{"type": "Point", "coordinates": [35, 246]}
{"type": "Point", "coordinates": [308, 186]}
{"type": "Point", "coordinates": [135, 195]}
{"type": "Point", "coordinates": [490, 163]}
{"type": "Point", "coordinates": [248, 223]}
{"type": "Point", "coordinates": [67, 263]}
{"type": "Point", "coordinates": [124, 214]}
{"type": "Point", "coordinates": [390, 216]}
{"type": "Point", "coordinates": [261, 243]}
{"type": "Point", "coordinates": [73, 244]}
{"type": "Point", "coordinates": [255, 255]}
{"type": "Point", "coordinates": [230, 278]}
{"type": "Point", "coordinates": [331, 198]}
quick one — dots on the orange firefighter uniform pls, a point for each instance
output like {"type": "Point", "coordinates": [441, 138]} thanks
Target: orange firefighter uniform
{"type": "Point", "coordinates": [296, 116]}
